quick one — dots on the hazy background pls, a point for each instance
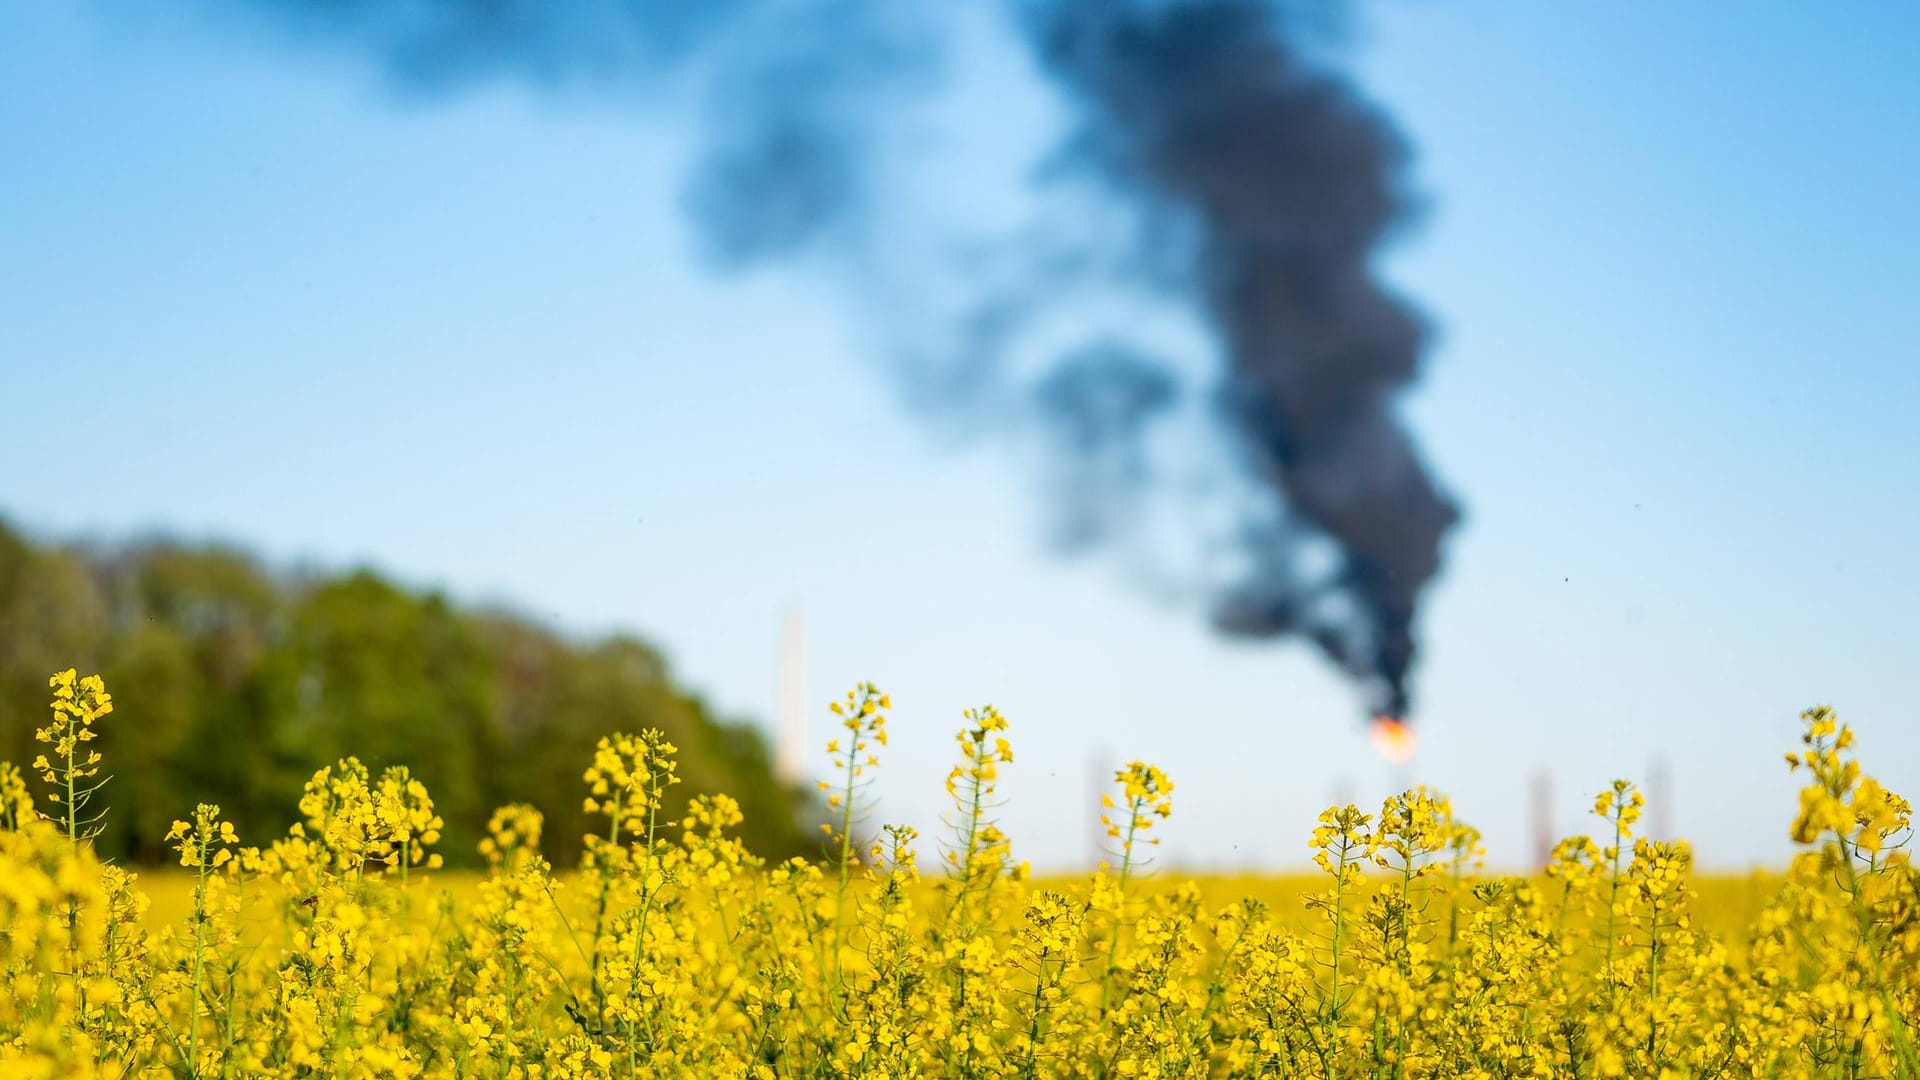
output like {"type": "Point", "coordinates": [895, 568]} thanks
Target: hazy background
{"type": "Point", "coordinates": [255, 293]}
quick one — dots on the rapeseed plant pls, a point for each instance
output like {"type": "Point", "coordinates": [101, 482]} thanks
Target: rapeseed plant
{"type": "Point", "coordinates": [75, 780]}
{"type": "Point", "coordinates": [977, 894]}
{"type": "Point", "coordinates": [16, 800]}
{"type": "Point", "coordinates": [1145, 794]}
{"type": "Point", "coordinates": [674, 951]}
{"type": "Point", "coordinates": [863, 714]}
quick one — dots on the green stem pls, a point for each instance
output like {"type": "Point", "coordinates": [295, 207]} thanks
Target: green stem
{"type": "Point", "coordinates": [1895, 1022]}
{"type": "Point", "coordinates": [1613, 897]}
{"type": "Point", "coordinates": [846, 856]}
{"type": "Point", "coordinates": [640, 931]}
{"type": "Point", "coordinates": [1332, 1007]}
{"type": "Point", "coordinates": [1134, 809]}
{"type": "Point", "coordinates": [600, 913]}
{"type": "Point", "coordinates": [1033, 1022]}
{"type": "Point", "coordinates": [959, 905]}
{"type": "Point", "coordinates": [73, 812]}
{"type": "Point", "coordinates": [199, 953]}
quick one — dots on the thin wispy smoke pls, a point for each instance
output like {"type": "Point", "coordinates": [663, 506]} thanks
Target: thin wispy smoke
{"type": "Point", "coordinates": [1254, 190]}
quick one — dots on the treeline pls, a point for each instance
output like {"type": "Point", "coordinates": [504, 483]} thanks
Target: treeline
{"type": "Point", "coordinates": [233, 682]}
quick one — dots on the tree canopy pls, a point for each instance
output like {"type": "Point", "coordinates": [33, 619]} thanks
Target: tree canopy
{"type": "Point", "coordinates": [232, 682]}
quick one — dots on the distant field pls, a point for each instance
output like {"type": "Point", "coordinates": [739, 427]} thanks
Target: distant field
{"type": "Point", "coordinates": [1726, 905]}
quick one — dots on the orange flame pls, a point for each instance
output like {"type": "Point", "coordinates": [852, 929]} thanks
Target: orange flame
{"type": "Point", "coordinates": [1394, 739]}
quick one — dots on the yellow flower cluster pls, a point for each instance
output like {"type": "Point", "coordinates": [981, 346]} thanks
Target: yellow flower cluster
{"type": "Point", "coordinates": [674, 952]}
{"type": "Point", "coordinates": [16, 800]}
{"type": "Point", "coordinates": [77, 703]}
{"type": "Point", "coordinates": [513, 836]}
{"type": "Point", "coordinates": [353, 820]}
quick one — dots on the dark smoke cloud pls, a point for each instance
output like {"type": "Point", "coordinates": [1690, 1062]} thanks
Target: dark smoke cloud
{"type": "Point", "coordinates": [1289, 184]}
{"type": "Point", "coordinates": [1254, 190]}
{"type": "Point", "coordinates": [1096, 408]}
{"type": "Point", "coordinates": [794, 106]}
{"type": "Point", "coordinates": [790, 95]}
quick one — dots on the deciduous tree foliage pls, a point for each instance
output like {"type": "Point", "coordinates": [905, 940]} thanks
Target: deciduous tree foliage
{"type": "Point", "coordinates": [251, 678]}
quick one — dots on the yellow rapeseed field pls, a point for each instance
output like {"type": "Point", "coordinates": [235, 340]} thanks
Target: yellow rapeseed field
{"type": "Point", "coordinates": [673, 951]}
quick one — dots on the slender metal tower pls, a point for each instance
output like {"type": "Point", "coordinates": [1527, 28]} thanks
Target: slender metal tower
{"type": "Point", "coordinates": [790, 748]}
{"type": "Point", "coordinates": [1342, 791]}
{"type": "Point", "coordinates": [1659, 796]}
{"type": "Point", "coordinates": [1540, 802]}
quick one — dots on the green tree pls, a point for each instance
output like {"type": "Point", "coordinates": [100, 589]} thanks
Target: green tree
{"type": "Point", "coordinates": [234, 682]}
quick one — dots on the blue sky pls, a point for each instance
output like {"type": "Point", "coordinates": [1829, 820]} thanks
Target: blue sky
{"type": "Point", "coordinates": [250, 293]}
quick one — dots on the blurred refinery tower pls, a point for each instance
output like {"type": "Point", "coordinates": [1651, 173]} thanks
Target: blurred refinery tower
{"type": "Point", "coordinates": [1540, 803]}
{"type": "Point", "coordinates": [1659, 804]}
{"type": "Point", "coordinates": [1342, 794]}
{"type": "Point", "coordinates": [790, 745]}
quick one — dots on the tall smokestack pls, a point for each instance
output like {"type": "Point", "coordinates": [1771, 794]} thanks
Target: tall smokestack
{"type": "Point", "coordinates": [1342, 791]}
{"type": "Point", "coordinates": [790, 745]}
{"type": "Point", "coordinates": [1540, 816]}
{"type": "Point", "coordinates": [1659, 799]}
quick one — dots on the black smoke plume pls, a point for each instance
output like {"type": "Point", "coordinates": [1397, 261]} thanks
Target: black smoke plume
{"type": "Point", "coordinates": [1287, 184]}
{"type": "Point", "coordinates": [1257, 190]}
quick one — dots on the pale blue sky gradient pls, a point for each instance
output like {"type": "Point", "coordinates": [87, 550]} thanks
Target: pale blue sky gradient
{"type": "Point", "coordinates": [1672, 252]}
